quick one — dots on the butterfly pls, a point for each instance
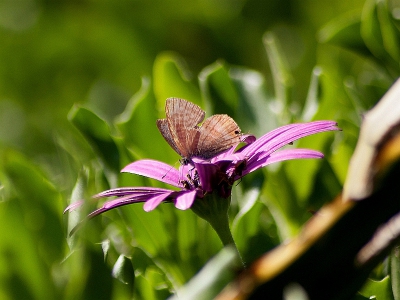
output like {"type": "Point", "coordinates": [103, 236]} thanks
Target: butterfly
{"type": "Point", "coordinates": [183, 133]}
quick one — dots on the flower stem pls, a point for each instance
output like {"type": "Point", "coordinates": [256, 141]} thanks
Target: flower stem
{"type": "Point", "coordinates": [214, 210]}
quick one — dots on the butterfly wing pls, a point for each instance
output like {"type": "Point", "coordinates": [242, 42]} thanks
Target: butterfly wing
{"type": "Point", "coordinates": [183, 112]}
{"type": "Point", "coordinates": [183, 118]}
{"type": "Point", "coordinates": [217, 133]}
{"type": "Point", "coordinates": [180, 129]}
{"type": "Point", "coordinates": [163, 127]}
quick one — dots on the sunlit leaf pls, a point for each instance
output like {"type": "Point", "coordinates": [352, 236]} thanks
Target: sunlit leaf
{"type": "Point", "coordinates": [381, 290]}
{"type": "Point", "coordinates": [212, 278]}
{"type": "Point", "coordinates": [257, 112]}
{"type": "Point", "coordinates": [283, 80]}
{"type": "Point", "coordinates": [143, 289]}
{"type": "Point", "coordinates": [98, 134]}
{"type": "Point", "coordinates": [32, 239]}
{"type": "Point", "coordinates": [313, 98]}
{"type": "Point", "coordinates": [137, 125]}
{"type": "Point", "coordinates": [395, 273]}
{"type": "Point", "coordinates": [344, 31]}
{"type": "Point", "coordinates": [171, 79]}
{"type": "Point", "coordinates": [123, 270]}
{"type": "Point", "coordinates": [217, 87]}
{"type": "Point", "coordinates": [281, 200]}
{"type": "Point", "coordinates": [380, 34]}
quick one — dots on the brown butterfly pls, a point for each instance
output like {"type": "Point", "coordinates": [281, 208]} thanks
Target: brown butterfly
{"type": "Point", "coordinates": [183, 133]}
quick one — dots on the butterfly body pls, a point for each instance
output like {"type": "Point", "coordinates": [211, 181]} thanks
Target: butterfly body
{"type": "Point", "coordinates": [183, 133]}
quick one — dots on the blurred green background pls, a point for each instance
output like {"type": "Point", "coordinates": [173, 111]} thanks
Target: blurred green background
{"type": "Point", "coordinates": [78, 75]}
{"type": "Point", "coordinates": [57, 53]}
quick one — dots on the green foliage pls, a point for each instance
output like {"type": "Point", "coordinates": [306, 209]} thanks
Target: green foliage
{"type": "Point", "coordinates": [381, 290]}
{"type": "Point", "coordinates": [244, 59]}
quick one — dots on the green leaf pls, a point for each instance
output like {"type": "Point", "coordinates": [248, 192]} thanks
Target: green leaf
{"type": "Point", "coordinates": [283, 80]}
{"type": "Point", "coordinates": [191, 235]}
{"type": "Point", "coordinates": [303, 173]}
{"type": "Point", "coordinates": [137, 125]}
{"type": "Point", "coordinates": [380, 34]}
{"type": "Point", "coordinates": [212, 277]}
{"type": "Point", "coordinates": [370, 29]}
{"type": "Point", "coordinates": [150, 284]}
{"type": "Point", "coordinates": [143, 289]}
{"type": "Point", "coordinates": [256, 111]}
{"type": "Point", "coordinates": [218, 89]}
{"type": "Point", "coordinates": [98, 134]}
{"type": "Point", "coordinates": [344, 31]}
{"type": "Point", "coordinates": [32, 237]}
{"type": "Point", "coordinates": [390, 34]}
{"type": "Point", "coordinates": [246, 222]}
{"type": "Point", "coordinates": [382, 289]}
{"type": "Point", "coordinates": [395, 272]}
{"type": "Point", "coordinates": [240, 93]}
{"type": "Point", "coordinates": [148, 228]}
{"type": "Point", "coordinates": [123, 270]}
{"type": "Point", "coordinates": [313, 97]}
{"type": "Point", "coordinates": [171, 79]}
{"type": "Point", "coordinates": [76, 216]}
{"type": "Point", "coordinates": [39, 199]}
{"type": "Point", "coordinates": [283, 204]}
{"type": "Point", "coordinates": [246, 203]}
{"type": "Point", "coordinates": [154, 237]}
{"type": "Point", "coordinates": [98, 282]}
{"type": "Point", "coordinates": [253, 227]}
{"type": "Point", "coordinates": [105, 246]}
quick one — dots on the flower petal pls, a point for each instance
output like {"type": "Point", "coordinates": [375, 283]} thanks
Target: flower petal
{"type": "Point", "coordinates": [284, 135]}
{"type": "Point", "coordinates": [129, 199]}
{"type": "Point", "coordinates": [124, 191]}
{"type": "Point", "coordinates": [154, 169]}
{"type": "Point", "coordinates": [207, 174]}
{"type": "Point", "coordinates": [73, 206]}
{"type": "Point", "coordinates": [154, 202]}
{"type": "Point", "coordinates": [133, 194]}
{"type": "Point", "coordinates": [282, 155]}
{"type": "Point", "coordinates": [232, 157]}
{"type": "Point", "coordinates": [298, 153]}
{"type": "Point", "coordinates": [247, 138]}
{"type": "Point", "coordinates": [184, 200]}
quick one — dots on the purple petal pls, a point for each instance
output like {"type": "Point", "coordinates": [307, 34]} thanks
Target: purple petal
{"type": "Point", "coordinates": [154, 169]}
{"type": "Point", "coordinates": [284, 135]}
{"type": "Point", "coordinates": [129, 199]}
{"type": "Point", "coordinates": [224, 154]}
{"type": "Point", "coordinates": [207, 173]}
{"type": "Point", "coordinates": [74, 206]}
{"type": "Point", "coordinates": [184, 200]}
{"type": "Point", "coordinates": [298, 153]}
{"type": "Point", "coordinates": [138, 191]}
{"type": "Point", "coordinates": [187, 168]}
{"type": "Point", "coordinates": [231, 157]}
{"type": "Point", "coordinates": [120, 192]}
{"type": "Point", "coordinates": [248, 138]}
{"type": "Point", "coordinates": [154, 202]}
{"type": "Point", "coordinates": [281, 156]}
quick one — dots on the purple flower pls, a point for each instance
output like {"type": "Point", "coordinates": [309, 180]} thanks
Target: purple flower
{"type": "Point", "coordinates": [201, 177]}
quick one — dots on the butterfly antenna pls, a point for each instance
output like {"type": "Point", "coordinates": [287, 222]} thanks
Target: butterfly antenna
{"type": "Point", "coordinates": [168, 172]}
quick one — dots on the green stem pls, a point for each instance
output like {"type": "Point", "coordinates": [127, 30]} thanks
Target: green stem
{"type": "Point", "coordinates": [214, 210]}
